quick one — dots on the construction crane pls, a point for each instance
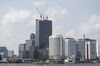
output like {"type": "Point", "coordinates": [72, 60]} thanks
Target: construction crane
{"type": "Point", "coordinates": [42, 15]}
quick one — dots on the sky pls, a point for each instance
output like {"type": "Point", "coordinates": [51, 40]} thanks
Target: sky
{"type": "Point", "coordinates": [71, 18]}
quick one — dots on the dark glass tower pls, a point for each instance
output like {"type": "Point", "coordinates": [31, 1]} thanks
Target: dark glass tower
{"type": "Point", "coordinates": [43, 31]}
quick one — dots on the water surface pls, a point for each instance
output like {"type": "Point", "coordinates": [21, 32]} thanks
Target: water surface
{"type": "Point", "coordinates": [82, 64]}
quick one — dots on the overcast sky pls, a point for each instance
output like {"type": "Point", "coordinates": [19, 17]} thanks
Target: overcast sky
{"type": "Point", "coordinates": [71, 18]}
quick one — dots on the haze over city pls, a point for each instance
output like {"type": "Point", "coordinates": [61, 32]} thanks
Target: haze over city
{"type": "Point", "coordinates": [70, 18]}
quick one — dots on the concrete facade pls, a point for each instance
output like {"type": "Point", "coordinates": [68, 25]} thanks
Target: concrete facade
{"type": "Point", "coordinates": [22, 51]}
{"type": "Point", "coordinates": [56, 47]}
{"type": "Point", "coordinates": [87, 49]}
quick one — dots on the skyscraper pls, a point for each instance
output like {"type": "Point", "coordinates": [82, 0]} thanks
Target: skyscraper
{"type": "Point", "coordinates": [98, 48]}
{"type": "Point", "coordinates": [26, 51]}
{"type": "Point", "coordinates": [56, 47]}
{"type": "Point", "coordinates": [10, 53]}
{"type": "Point", "coordinates": [70, 47]}
{"type": "Point", "coordinates": [43, 31]}
{"type": "Point", "coordinates": [30, 45]}
{"type": "Point", "coordinates": [22, 51]}
{"type": "Point", "coordinates": [4, 51]}
{"type": "Point", "coordinates": [87, 49]}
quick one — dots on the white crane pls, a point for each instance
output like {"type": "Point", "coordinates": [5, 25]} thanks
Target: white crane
{"type": "Point", "coordinates": [42, 15]}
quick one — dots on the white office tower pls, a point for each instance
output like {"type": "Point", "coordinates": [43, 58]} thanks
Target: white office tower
{"type": "Point", "coordinates": [98, 49]}
{"type": "Point", "coordinates": [56, 47]}
{"type": "Point", "coordinates": [70, 47]}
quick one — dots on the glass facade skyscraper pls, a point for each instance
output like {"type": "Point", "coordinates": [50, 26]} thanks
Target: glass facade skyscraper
{"type": "Point", "coordinates": [43, 31]}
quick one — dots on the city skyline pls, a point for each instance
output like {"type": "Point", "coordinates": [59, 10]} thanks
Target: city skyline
{"type": "Point", "coordinates": [70, 18]}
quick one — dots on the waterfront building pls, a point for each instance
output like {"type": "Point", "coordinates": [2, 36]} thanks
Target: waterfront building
{"type": "Point", "coordinates": [87, 49]}
{"type": "Point", "coordinates": [43, 31]}
{"type": "Point", "coordinates": [98, 49]}
{"type": "Point", "coordinates": [4, 52]}
{"type": "Point", "coordinates": [10, 53]}
{"type": "Point", "coordinates": [22, 51]}
{"type": "Point", "coordinates": [70, 47]}
{"type": "Point", "coordinates": [56, 47]}
{"type": "Point", "coordinates": [26, 51]}
{"type": "Point", "coordinates": [30, 45]}
{"type": "Point", "coordinates": [80, 50]}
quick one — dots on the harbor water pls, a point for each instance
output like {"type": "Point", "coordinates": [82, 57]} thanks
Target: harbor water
{"type": "Point", "coordinates": [67, 64]}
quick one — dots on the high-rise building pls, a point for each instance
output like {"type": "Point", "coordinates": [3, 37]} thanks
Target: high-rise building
{"type": "Point", "coordinates": [26, 51]}
{"type": "Point", "coordinates": [56, 47]}
{"type": "Point", "coordinates": [22, 51]}
{"type": "Point", "coordinates": [70, 47]}
{"type": "Point", "coordinates": [87, 49]}
{"type": "Point", "coordinates": [80, 50]}
{"type": "Point", "coordinates": [32, 36]}
{"type": "Point", "coordinates": [30, 45]}
{"type": "Point", "coordinates": [10, 53]}
{"type": "Point", "coordinates": [98, 49]}
{"type": "Point", "coordinates": [4, 52]}
{"type": "Point", "coordinates": [43, 31]}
